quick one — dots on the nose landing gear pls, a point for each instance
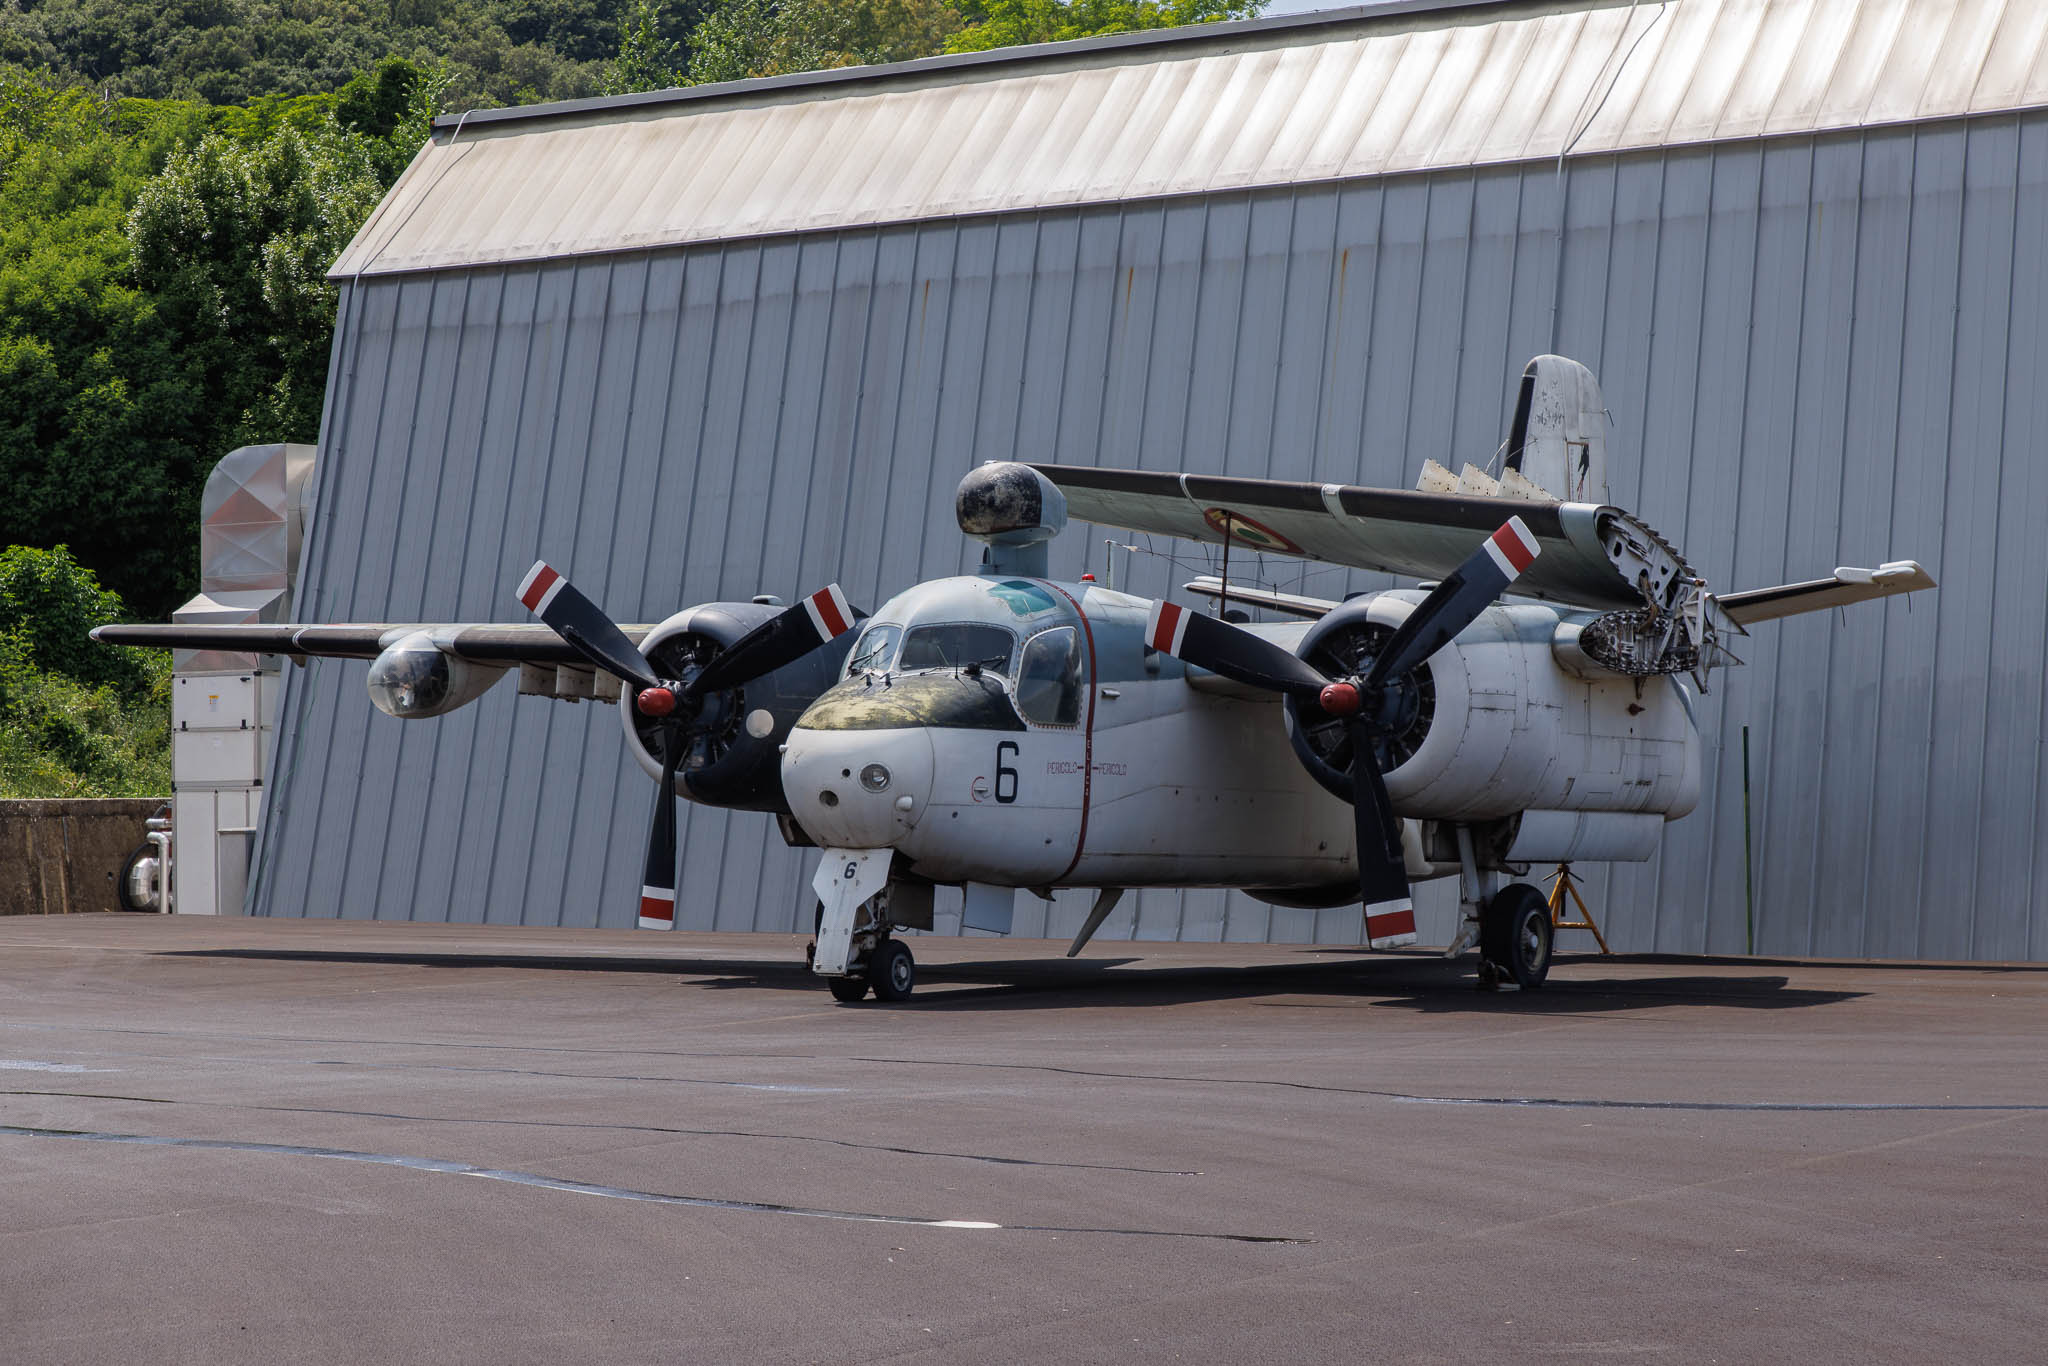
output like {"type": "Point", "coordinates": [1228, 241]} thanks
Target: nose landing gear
{"type": "Point", "coordinates": [854, 951]}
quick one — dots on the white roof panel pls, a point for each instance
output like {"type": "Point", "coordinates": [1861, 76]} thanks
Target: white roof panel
{"type": "Point", "coordinates": [1406, 87]}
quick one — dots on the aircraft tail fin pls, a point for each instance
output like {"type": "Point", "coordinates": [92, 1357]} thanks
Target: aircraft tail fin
{"type": "Point", "coordinates": [1558, 440]}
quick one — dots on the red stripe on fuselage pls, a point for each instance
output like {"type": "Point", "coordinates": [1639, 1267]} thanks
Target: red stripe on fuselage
{"type": "Point", "coordinates": [1087, 735]}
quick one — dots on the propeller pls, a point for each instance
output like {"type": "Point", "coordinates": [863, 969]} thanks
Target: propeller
{"type": "Point", "coordinates": [1368, 704]}
{"type": "Point", "coordinates": [679, 705]}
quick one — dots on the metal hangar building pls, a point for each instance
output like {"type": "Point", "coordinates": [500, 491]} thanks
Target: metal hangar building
{"type": "Point", "coordinates": [737, 339]}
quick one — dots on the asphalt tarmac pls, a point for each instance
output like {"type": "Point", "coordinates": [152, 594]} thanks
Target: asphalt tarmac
{"type": "Point", "coordinates": [272, 1141]}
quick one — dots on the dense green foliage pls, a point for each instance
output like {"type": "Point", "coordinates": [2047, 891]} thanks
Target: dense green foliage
{"type": "Point", "coordinates": [162, 301]}
{"type": "Point", "coordinates": [498, 52]}
{"type": "Point", "coordinates": [76, 719]}
{"type": "Point", "coordinates": [230, 51]}
{"type": "Point", "coordinates": [175, 179]}
{"type": "Point", "coordinates": [1009, 23]}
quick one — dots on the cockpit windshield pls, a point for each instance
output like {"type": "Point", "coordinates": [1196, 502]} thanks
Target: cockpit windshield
{"type": "Point", "coordinates": [956, 645]}
{"type": "Point", "coordinates": [876, 650]}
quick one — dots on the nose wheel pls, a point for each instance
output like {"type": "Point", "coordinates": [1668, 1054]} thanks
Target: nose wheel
{"type": "Point", "coordinates": [875, 960]}
{"type": "Point", "coordinates": [892, 971]}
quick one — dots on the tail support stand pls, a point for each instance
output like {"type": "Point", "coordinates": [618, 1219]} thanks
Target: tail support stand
{"type": "Point", "coordinates": [1562, 885]}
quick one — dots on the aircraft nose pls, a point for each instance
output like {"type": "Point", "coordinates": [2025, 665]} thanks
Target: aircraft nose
{"type": "Point", "coordinates": [857, 789]}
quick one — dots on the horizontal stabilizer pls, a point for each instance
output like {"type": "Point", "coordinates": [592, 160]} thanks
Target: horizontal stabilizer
{"type": "Point", "coordinates": [1847, 586]}
{"type": "Point", "coordinates": [1268, 599]}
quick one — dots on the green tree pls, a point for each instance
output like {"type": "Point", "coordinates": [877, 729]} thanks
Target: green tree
{"type": "Point", "coordinates": [75, 719]}
{"type": "Point", "coordinates": [98, 417]}
{"type": "Point", "coordinates": [375, 102]}
{"type": "Point", "coordinates": [48, 602]}
{"type": "Point", "coordinates": [233, 243]}
{"type": "Point", "coordinates": [742, 38]}
{"type": "Point", "coordinates": [1008, 23]}
{"type": "Point", "coordinates": [646, 60]}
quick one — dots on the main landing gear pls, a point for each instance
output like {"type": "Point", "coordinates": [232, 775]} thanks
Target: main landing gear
{"type": "Point", "coordinates": [1514, 938]}
{"type": "Point", "coordinates": [1511, 924]}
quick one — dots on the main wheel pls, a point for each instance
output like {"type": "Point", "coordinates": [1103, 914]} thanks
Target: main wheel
{"type": "Point", "coordinates": [847, 990]}
{"type": "Point", "coordinates": [1514, 935]}
{"type": "Point", "coordinates": [892, 970]}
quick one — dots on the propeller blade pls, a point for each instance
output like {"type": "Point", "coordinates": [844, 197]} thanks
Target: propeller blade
{"type": "Point", "coordinates": [1222, 648]}
{"type": "Point", "coordinates": [658, 879]}
{"type": "Point", "coordinates": [578, 620]}
{"type": "Point", "coordinates": [1455, 603]}
{"type": "Point", "coordinates": [784, 639]}
{"type": "Point", "coordinates": [1382, 870]}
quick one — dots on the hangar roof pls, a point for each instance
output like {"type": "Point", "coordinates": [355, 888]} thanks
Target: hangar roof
{"type": "Point", "coordinates": [1305, 98]}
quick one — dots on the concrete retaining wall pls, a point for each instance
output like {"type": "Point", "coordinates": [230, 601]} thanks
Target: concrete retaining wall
{"type": "Point", "coordinates": [61, 856]}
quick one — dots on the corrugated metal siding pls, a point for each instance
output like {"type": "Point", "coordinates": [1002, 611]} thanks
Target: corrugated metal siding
{"type": "Point", "coordinates": [1366, 97]}
{"type": "Point", "coordinates": [1815, 350]}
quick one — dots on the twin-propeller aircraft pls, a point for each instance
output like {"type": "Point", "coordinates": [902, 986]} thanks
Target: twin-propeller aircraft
{"type": "Point", "coordinates": [1003, 730]}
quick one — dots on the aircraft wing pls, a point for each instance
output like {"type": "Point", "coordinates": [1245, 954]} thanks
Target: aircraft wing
{"type": "Point", "coordinates": [1847, 586]}
{"type": "Point", "coordinates": [503, 646]}
{"type": "Point", "coordinates": [1592, 556]}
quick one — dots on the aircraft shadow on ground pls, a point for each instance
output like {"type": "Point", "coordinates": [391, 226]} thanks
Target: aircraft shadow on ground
{"type": "Point", "coordinates": [1412, 983]}
{"type": "Point", "coordinates": [1397, 981]}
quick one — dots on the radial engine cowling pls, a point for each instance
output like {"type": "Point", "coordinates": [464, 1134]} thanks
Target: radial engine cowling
{"type": "Point", "coordinates": [415, 678]}
{"type": "Point", "coordinates": [1491, 727]}
{"type": "Point", "coordinates": [733, 745]}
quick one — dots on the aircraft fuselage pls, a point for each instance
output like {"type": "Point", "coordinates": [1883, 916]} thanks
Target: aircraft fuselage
{"type": "Point", "coordinates": [1018, 732]}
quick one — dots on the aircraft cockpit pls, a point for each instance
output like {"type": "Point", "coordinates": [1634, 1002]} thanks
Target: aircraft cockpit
{"type": "Point", "coordinates": [968, 653]}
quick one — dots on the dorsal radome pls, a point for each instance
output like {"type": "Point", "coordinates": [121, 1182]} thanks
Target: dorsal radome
{"type": "Point", "coordinates": [1016, 510]}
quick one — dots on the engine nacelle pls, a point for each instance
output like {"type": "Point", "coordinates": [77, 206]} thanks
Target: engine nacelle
{"type": "Point", "coordinates": [415, 678]}
{"type": "Point", "coordinates": [735, 754]}
{"type": "Point", "coordinates": [1492, 726]}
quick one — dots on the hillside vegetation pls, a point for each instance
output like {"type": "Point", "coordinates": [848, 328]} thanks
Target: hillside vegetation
{"type": "Point", "coordinates": [175, 179]}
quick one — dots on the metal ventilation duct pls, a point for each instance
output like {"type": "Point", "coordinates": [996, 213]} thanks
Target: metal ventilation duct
{"type": "Point", "coordinates": [252, 516]}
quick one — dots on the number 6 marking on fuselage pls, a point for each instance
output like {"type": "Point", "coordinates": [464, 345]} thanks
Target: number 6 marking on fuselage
{"type": "Point", "coordinates": [1004, 796]}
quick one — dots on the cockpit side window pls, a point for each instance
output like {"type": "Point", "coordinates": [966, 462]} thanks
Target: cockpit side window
{"type": "Point", "coordinates": [956, 645]}
{"type": "Point", "coordinates": [1049, 679]}
{"type": "Point", "coordinates": [875, 651]}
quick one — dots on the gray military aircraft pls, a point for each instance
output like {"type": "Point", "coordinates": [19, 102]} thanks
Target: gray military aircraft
{"type": "Point", "coordinates": [1004, 730]}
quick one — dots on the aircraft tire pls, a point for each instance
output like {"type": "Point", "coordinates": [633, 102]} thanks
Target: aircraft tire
{"type": "Point", "coordinates": [892, 970]}
{"type": "Point", "coordinates": [847, 990]}
{"type": "Point", "coordinates": [1515, 934]}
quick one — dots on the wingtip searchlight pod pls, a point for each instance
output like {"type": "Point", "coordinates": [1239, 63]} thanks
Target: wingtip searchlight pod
{"type": "Point", "coordinates": [416, 677]}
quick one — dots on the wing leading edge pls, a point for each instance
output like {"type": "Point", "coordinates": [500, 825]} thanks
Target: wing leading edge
{"type": "Point", "coordinates": [502, 646]}
{"type": "Point", "coordinates": [1592, 555]}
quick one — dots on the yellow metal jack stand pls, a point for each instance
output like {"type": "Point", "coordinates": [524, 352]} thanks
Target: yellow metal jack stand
{"type": "Point", "coordinates": [1563, 884]}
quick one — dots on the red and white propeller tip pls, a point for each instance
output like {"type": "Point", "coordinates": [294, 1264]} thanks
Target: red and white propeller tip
{"type": "Point", "coordinates": [829, 612]}
{"type": "Point", "coordinates": [1390, 924]}
{"type": "Point", "coordinates": [1513, 549]}
{"type": "Point", "coordinates": [1167, 628]}
{"type": "Point", "coordinates": [657, 908]}
{"type": "Point", "coordinates": [538, 589]}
